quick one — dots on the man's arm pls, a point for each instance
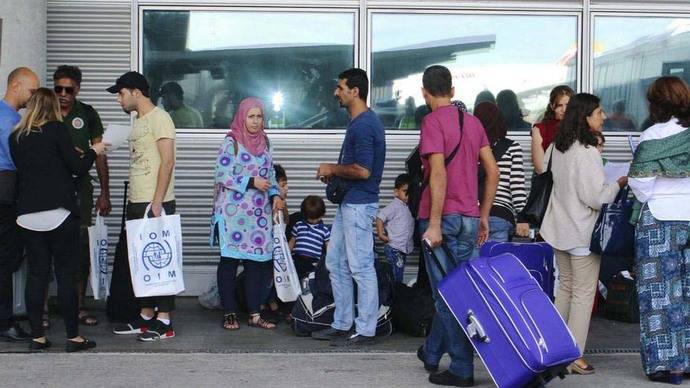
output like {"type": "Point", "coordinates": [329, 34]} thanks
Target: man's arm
{"type": "Point", "coordinates": [438, 181]}
{"type": "Point", "coordinates": [486, 158]}
{"type": "Point", "coordinates": [347, 171]}
{"type": "Point", "coordinates": [166, 150]}
{"type": "Point", "coordinates": [103, 206]}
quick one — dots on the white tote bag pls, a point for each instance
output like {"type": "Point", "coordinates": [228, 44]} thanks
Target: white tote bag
{"type": "Point", "coordinates": [98, 251]}
{"type": "Point", "coordinates": [285, 275]}
{"type": "Point", "coordinates": [155, 255]}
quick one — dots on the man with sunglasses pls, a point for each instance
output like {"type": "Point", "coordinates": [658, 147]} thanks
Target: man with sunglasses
{"type": "Point", "coordinates": [86, 129]}
{"type": "Point", "coordinates": [21, 83]}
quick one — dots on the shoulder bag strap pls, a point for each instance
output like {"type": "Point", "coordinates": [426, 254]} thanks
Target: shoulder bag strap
{"type": "Point", "coordinates": [451, 156]}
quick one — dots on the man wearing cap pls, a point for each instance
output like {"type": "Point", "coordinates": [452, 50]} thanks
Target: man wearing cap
{"type": "Point", "coordinates": [173, 101]}
{"type": "Point", "coordinates": [21, 83]}
{"type": "Point", "coordinates": [151, 165]}
{"type": "Point", "coordinates": [85, 126]}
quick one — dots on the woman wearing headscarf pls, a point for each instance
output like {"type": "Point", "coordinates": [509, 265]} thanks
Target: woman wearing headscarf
{"type": "Point", "coordinates": [660, 179]}
{"type": "Point", "coordinates": [246, 195]}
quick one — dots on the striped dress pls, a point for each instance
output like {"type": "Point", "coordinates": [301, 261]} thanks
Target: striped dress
{"type": "Point", "coordinates": [511, 195]}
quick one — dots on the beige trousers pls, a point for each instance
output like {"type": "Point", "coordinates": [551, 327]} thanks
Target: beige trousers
{"type": "Point", "coordinates": [578, 278]}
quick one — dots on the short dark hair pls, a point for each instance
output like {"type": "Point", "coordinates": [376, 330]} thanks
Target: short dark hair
{"type": "Point", "coordinates": [402, 180]}
{"type": "Point", "coordinates": [668, 97]}
{"type": "Point", "coordinates": [173, 88]}
{"type": "Point", "coordinates": [356, 78]}
{"type": "Point", "coordinates": [437, 81]}
{"type": "Point", "coordinates": [67, 71]}
{"type": "Point", "coordinates": [280, 172]}
{"type": "Point", "coordinates": [574, 126]}
{"type": "Point", "coordinates": [313, 207]}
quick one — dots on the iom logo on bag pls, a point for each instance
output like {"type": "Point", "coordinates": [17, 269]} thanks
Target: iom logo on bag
{"type": "Point", "coordinates": [279, 263]}
{"type": "Point", "coordinates": [156, 254]}
{"type": "Point", "coordinates": [103, 256]}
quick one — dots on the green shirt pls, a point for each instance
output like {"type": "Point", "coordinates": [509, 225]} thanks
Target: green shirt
{"type": "Point", "coordinates": [84, 124]}
{"type": "Point", "coordinates": [186, 117]}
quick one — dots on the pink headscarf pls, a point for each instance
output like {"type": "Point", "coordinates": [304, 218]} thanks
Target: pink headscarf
{"type": "Point", "coordinates": [255, 143]}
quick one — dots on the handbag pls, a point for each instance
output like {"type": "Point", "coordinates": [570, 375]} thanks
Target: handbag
{"type": "Point", "coordinates": [539, 195]}
{"type": "Point", "coordinates": [337, 187]}
{"type": "Point", "coordinates": [98, 254]}
{"type": "Point", "coordinates": [285, 278]}
{"type": "Point", "coordinates": [613, 234]}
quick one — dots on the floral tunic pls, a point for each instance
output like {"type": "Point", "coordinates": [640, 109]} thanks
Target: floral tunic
{"type": "Point", "coordinates": [242, 222]}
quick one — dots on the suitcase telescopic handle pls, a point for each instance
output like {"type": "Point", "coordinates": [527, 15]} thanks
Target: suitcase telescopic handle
{"type": "Point", "coordinates": [475, 328]}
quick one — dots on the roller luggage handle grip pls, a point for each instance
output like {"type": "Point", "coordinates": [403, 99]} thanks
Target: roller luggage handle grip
{"type": "Point", "coordinates": [475, 329]}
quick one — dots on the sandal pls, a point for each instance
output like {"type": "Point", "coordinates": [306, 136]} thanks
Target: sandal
{"type": "Point", "coordinates": [87, 319]}
{"type": "Point", "coordinates": [230, 322]}
{"type": "Point", "coordinates": [45, 320]}
{"type": "Point", "coordinates": [255, 320]}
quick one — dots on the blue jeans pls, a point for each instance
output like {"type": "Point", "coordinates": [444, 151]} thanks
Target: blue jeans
{"type": "Point", "coordinates": [460, 237]}
{"type": "Point", "coordinates": [351, 256]}
{"type": "Point", "coordinates": [397, 260]}
{"type": "Point", "coordinates": [499, 229]}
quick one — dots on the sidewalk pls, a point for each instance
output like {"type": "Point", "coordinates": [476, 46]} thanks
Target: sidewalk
{"type": "Point", "coordinates": [199, 331]}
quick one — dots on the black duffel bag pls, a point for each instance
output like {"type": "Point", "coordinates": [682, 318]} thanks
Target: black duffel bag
{"type": "Point", "coordinates": [621, 302]}
{"type": "Point", "coordinates": [413, 309]}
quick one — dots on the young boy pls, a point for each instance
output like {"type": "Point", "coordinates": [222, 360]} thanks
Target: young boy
{"type": "Point", "coordinates": [309, 236]}
{"type": "Point", "coordinates": [399, 227]}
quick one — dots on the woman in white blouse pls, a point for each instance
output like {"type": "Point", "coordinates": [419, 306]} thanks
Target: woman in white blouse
{"type": "Point", "coordinates": [660, 180]}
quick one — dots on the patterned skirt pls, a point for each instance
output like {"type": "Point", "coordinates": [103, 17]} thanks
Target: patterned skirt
{"type": "Point", "coordinates": [662, 262]}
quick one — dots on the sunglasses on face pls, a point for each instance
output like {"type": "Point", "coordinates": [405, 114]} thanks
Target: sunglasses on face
{"type": "Point", "coordinates": [67, 89]}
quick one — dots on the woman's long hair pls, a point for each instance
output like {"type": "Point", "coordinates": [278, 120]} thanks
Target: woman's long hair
{"type": "Point", "coordinates": [556, 93]}
{"type": "Point", "coordinates": [492, 120]}
{"type": "Point", "coordinates": [668, 97]}
{"type": "Point", "coordinates": [42, 107]}
{"type": "Point", "coordinates": [574, 126]}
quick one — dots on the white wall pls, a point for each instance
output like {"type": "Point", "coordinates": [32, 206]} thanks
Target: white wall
{"type": "Point", "coordinates": [23, 37]}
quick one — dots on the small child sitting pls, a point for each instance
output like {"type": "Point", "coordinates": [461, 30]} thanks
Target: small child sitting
{"type": "Point", "coordinates": [309, 236]}
{"type": "Point", "coordinates": [399, 227]}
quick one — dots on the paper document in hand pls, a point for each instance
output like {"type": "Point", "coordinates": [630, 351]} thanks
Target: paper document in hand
{"type": "Point", "coordinates": [115, 135]}
{"type": "Point", "coordinates": [615, 170]}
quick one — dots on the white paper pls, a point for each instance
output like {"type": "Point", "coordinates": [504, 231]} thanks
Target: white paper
{"type": "Point", "coordinates": [115, 135]}
{"type": "Point", "coordinates": [615, 170]}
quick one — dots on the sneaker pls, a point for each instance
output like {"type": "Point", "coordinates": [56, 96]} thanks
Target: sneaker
{"type": "Point", "coordinates": [157, 331]}
{"type": "Point", "coordinates": [138, 326]}
{"type": "Point", "coordinates": [354, 340]}
{"type": "Point", "coordinates": [329, 334]}
{"type": "Point", "coordinates": [14, 333]}
{"type": "Point", "coordinates": [449, 379]}
{"type": "Point", "coordinates": [422, 357]}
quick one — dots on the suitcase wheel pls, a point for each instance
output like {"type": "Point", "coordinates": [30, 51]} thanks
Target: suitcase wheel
{"type": "Point", "coordinates": [475, 329]}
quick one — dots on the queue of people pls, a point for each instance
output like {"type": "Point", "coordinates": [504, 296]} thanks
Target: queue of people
{"type": "Point", "coordinates": [473, 190]}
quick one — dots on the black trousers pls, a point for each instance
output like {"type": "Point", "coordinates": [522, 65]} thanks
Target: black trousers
{"type": "Point", "coordinates": [135, 211]}
{"type": "Point", "coordinates": [60, 247]}
{"type": "Point", "coordinates": [255, 284]}
{"type": "Point", "coordinates": [11, 256]}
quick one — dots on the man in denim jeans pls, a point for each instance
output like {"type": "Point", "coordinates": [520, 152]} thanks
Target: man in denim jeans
{"type": "Point", "coordinates": [351, 249]}
{"type": "Point", "coordinates": [449, 213]}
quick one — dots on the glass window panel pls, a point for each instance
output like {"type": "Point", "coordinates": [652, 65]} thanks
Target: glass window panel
{"type": "Point", "coordinates": [201, 64]}
{"type": "Point", "coordinates": [486, 54]}
{"type": "Point", "coordinates": [629, 54]}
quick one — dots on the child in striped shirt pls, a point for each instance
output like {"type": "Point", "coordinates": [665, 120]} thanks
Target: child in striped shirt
{"type": "Point", "coordinates": [309, 236]}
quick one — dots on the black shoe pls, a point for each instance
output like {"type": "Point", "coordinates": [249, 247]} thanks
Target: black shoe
{"type": "Point", "coordinates": [36, 346]}
{"type": "Point", "coordinates": [14, 334]}
{"type": "Point", "coordinates": [157, 331]}
{"type": "Point", "coordinates": [74, 346]}
{"type": "Point", "coordinates": [329, 334]}
{"type": "Point", "coordinates": [138, 326]}
{"type": "Point", "coordinates": [422, 357]}
{"type": "Point", "coordinates": [447, 378]}
{"type": "Point", "coordinates": [353, 340]}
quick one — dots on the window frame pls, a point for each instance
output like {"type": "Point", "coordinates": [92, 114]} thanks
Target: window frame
{"type": "Point", "coordinates": [484, 12]}
{"type": "Point", "coordinates": [593, 15]}
{"type": "Point", "coordinates": [138, 60]}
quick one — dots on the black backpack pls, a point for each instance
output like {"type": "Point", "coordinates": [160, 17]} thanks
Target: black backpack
{"type": "Point", "coordinates": [413, 308]}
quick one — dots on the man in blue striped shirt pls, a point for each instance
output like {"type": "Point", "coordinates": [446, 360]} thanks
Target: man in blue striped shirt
{"type": "Point", "coordinates": [309, 236]}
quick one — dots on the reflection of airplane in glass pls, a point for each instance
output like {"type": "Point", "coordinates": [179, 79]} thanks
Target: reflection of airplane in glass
{"type": "Point", "coordinates": [625, 73]}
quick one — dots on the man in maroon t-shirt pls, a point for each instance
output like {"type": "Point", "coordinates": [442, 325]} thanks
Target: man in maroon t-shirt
{"type": "Point", "coordinates": [449, 210]}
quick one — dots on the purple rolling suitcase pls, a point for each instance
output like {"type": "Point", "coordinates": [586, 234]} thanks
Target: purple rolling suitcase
{"type": "Point", "coordinates": [511, 323]}
{"type": "Point", "coordinates": [537, 257]}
